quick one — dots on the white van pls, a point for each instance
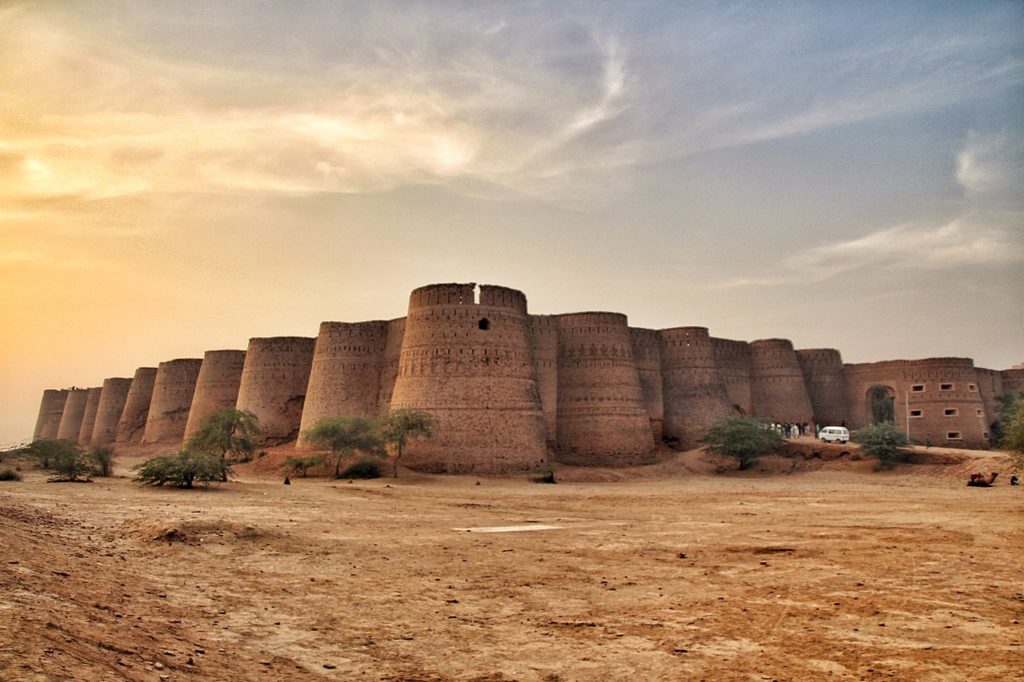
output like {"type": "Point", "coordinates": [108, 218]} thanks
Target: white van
{"type": "Point", "coordinates": [835, 434]}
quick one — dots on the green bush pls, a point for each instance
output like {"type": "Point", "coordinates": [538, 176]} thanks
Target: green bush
{"type": "Point", "coordinates": [884, 441]}
{"type": "Point", "coordinates": [364, 467]}
{"type": "Point", "coordinates": [742, 438]}
{"type": "Point", "coordinates": [102, 461]}
{"type": "Point", "coordinates": [9, 475]}
{"type": "Point", "coordinates": [183, 469]}
{"type": "Point", "coordinates": [302, 465]}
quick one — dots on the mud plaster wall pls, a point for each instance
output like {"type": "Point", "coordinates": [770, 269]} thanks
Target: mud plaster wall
{"type": "Point", "coordinates": [544, 344]}
{"type": "Point", "coordinates": [132, 423]}
{"type": "Point", "coordinates": [471, 365]}
{"type": "Point", "coordinates": [216, 386]}
{"type": "Point", "coordinates": [694, 392]}
{"type": "Point", "coordinates": [777, 387]}
{"type": "Point", "coordinates": [51, 409]}
{"type": "Point", "coordinates": [826, 387]}
{"type": "Point", "coordinates": [74, 410]}
{"type": "Point", "coordinates": [92, 403]}
{"type": "Point", "coordinates": [345, 377]}
{"type": "Point", "coordinates": [602, 417]}
{"type": "Point", "coordinates": [392, 357]}
{"type": "Point", "coordinates": [108, 412]}
{"type": "Point", "coordinates": [927, 390]}
{"type": "Point", "coordinates": [274, 382]}
{"type": "Point", "coordinates": [172, 398]}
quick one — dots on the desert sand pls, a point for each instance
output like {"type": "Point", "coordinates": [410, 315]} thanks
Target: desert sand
{"type": "Point", "coordinates": [797, 571]}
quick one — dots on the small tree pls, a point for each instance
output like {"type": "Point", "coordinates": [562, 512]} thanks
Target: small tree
{"type": "Point", "coordinates": [228, 433]}
{"type": "Point", "coordinates": [183, 469]}
{"type": "Point", "coordinates": [884, 441]}
{"type": "Point", "coordinates": [69, 462]}
{"type": "Point", "coordinates": [742, 438]}
{"type": "Point", "coordinates": [401, 426]}
{"type": "Point", "coordinates": [45, 451]}
{"type": "Point", "coordinates": [102, 460]}
{"type": "Point", "coordinates": [1013, 433]}
{"type": "Point", "coordinates": [344, 436]}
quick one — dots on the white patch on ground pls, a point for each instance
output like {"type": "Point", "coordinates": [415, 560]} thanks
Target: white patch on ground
{"type": "Point", "coordinates": [508, 529]}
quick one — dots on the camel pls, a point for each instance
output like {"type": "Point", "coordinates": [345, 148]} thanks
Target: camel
{"type": "Point", "coordinates": [978, 480]}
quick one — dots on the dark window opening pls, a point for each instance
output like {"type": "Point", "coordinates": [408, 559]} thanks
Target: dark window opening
{"type": "Point", "coordinates": [951, 412]}
{"type": "Point", "coordinates": [945, 387]}
{"type": "Point", "coordinates": [953, 435]}
{"type": "Point", "coordinates": [915, 413]}
{"type": "Point", "coordinates": [917, 388]}
{"type": "Point", "coordinates": [484, 324]}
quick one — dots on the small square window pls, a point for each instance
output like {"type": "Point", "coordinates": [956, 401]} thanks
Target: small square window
{"type": "Point", "coordinates": [945, 387]}
{"type": "Point", "coordinates": [916, 413]}
{"type": "Point", "coordinates": [953, 435]}
{"type": "Point", "coordinates": [917, 388]}
{"type": "Point", "coordinates": [973, 388]}
{"type": "Point", "coordinates": [951, 412]}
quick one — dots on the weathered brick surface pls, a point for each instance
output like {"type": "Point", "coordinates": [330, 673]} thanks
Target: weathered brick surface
{"type": "Point", "coordinates": [216, 386]}
{"type": "Point", "coordinates": [132, 423]}
{"type": "Point", "coordinates": [471, 365]}
{"type": "Point", "coordinates": [173, 389]}
{"type": "Point", "coordinates": [92, 403]}
{"type": "Point", "coordinates": [108, 412]}
{"type": "Point", "coordinates": [51, 409]}
{"type": "Point", "coordinates": [602, 416]}
{"type": "Point", "coordinates": [733, 361]}
{"type": "Point", "coordinates": [826, 387]}
{"type": "Point", "coordinates": [273, 385]}
{"type": "Point", "coordinates": [646, 345]}
{"type": "Point", "coordinates": [694, 392]}
{"type": "Point", "coordinates": [777, 387]}
{"type": "Point", "coordinates": [74, 411]}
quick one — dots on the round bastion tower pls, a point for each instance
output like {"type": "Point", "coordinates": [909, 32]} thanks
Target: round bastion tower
{"type": "Point", "coordinates": [603, 419]}
{"type": "Point", "coordinates": [777, 387]}
{"type": "Point", "coordinates": [51, 409]}
{"type": "Point", "coordinates": [112, 398]}
{"type": "Point", "coordinates": [216, 386]}
{"type": "Point", "coordinates": [470, 364]}
{"type": "Point", "coordinates": [694, 392]}
{"type": "Point", "coordinates": [345, 376]}
{"type": "Point", "coordinates": [826, 385]}
{"type": "Point", "coordinates": [74, 410]}
{"type": "Point", "coordinates": [273, 385]}
{"type": "Point", "coordinates": [92, 403]}
{"type": "Point", "coordinates": [172, 398]}
{"type": "Point", "coordinates": [132, 423]}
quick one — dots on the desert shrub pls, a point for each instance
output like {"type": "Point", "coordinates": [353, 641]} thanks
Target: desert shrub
{"type": "Point", "coordinates": [364, 467]}
{"type": "Point", "coordinates": [884, 441]}
{"type": "Point", "coordinates": [183, 469]}
{"type": "Point", "coordinates": [102, 461]}
{"type": "Point", "coordinates": [302, 465]}
{"type": "Point", "coordinates": [68, 462]}
{"type": "Point", "coordinates": [403, 425]}
{"type": "Point", "coordinates": [545, 475]}
{"type": "Point", "coordinates": [742, 438]}
{"type": "Point", "coordinates": [344, 436]}
{"type": "Point", "coordinates": [1013, 432]}
{"type": "Point", "coordinates": [9, 475]}
{"type": "Point", "coordinates": [47, 450]}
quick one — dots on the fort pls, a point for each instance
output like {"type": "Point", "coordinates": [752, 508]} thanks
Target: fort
{"type": "Point", "coordinates": [513, 391]}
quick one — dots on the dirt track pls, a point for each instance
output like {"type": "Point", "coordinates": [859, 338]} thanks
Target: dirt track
{"type": "Point", "coordinates": [828, 574]}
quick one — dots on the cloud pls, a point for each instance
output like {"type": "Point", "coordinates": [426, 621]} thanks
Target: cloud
{"type": "Point", "coordinates": [935, 247]}
{"type": "Point", "coordinates": [990, 164]}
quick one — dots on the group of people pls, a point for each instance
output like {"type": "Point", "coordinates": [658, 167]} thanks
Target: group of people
{"type": "Point", "coordinates": [787, 430]}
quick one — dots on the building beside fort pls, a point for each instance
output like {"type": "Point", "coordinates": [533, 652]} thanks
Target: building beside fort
{"type": "Point", "coordinates": [512, 391]}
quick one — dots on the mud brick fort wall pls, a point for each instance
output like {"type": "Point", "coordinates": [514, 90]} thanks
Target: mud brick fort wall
{"type": "Point", "coordinates": [512, 390]}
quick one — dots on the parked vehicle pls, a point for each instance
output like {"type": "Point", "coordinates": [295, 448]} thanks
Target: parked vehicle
{"type": "Point", "coordinates": [835, 434]}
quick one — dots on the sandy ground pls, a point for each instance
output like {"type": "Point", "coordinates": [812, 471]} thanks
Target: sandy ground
{"type": "Point", "coordinates": [816, 571]}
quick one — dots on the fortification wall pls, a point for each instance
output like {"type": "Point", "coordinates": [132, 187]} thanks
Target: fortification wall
{"type": "Point", "coordinates": [602, 417]}
{"type": "Point", "coordinates": [777, 387]}
{"type": "Point", "coordinates": [392, 357]}
{"type": "Point", "coordinates": [470, 365]}
{"type": "Point", "coordinates": [51, 409]}
{"type": "Point", "coordinates": [733, 361]}
{"type": "Point", "coordinates": [132, 423]}
{"type": "Point", "coordinates": [990, 385]}
{"type": "Point", "coordinates": [826, 386]}
{"type": "Point", "coordinates": [694, 393]}
{"type": "Point", "coordinates": [172, 399]}
{"type": "Point", "coordinates": [1013, 380]}
{"type": "Point", "coordinates": [544, 344]}
{"type": "Point", "coordinates": [940, 395]}
{"type": "Point", "coordinates": [646, 345]}
{"type": "Point", "coordinates": [345, 378]}
{"type": "Point", "coordinates": [108, 412]}
{"type": "Point", "coordinates": [216, 386]}
{"type": "Point", "coordinates": [74, 410]}
{"type": "Point", "coordinates": [274, 381]}
{"type": "Point", "coordinates": [92, 403]}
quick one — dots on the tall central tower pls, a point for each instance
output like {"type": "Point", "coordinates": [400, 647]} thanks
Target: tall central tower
{"type": "Point", "coordinates": [469, 363]}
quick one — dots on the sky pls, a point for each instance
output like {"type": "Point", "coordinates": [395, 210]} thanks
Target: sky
{"type": "Point", "coordinates": [177, 177]}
